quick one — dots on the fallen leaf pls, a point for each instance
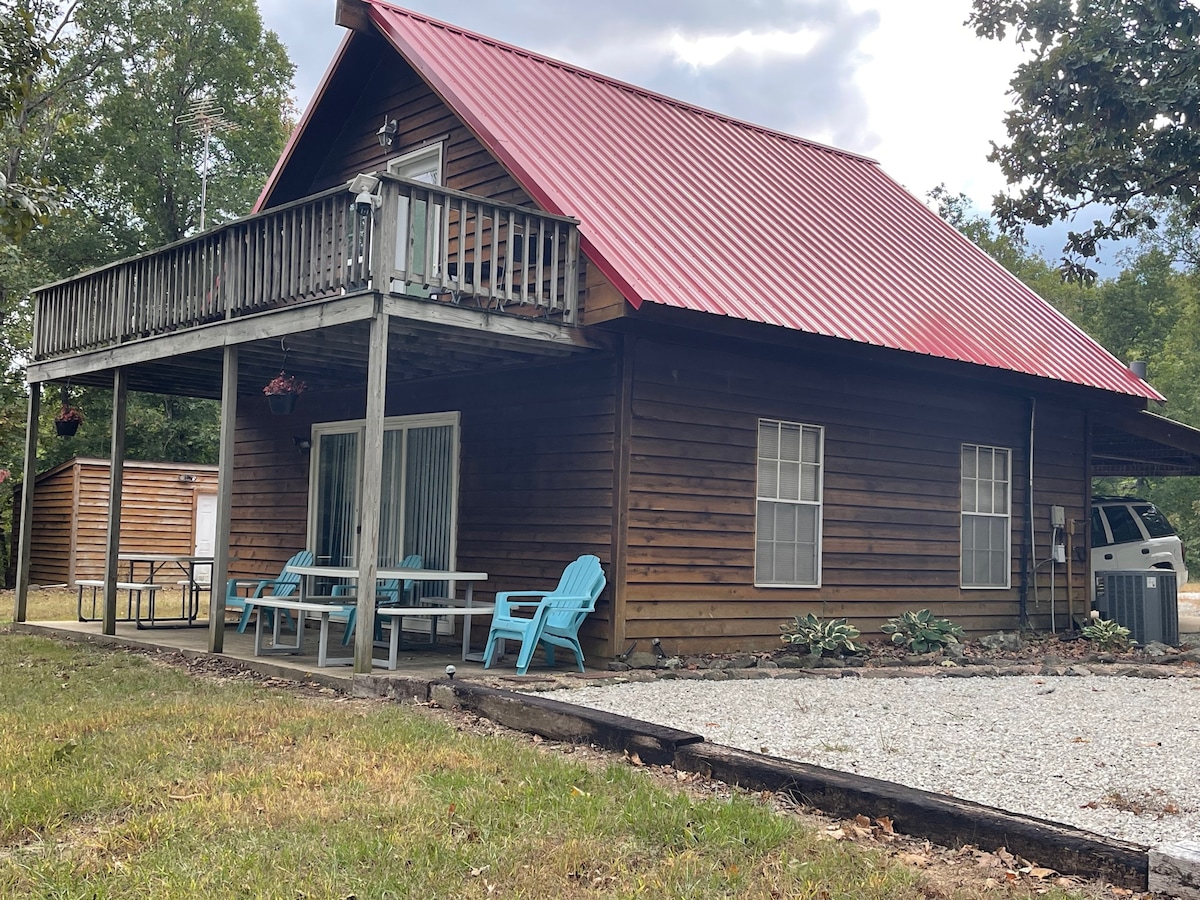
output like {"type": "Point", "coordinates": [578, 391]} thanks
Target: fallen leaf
{"type": "Point", "coordinates": [576, 792]}
{"type": "Point", "coordinates": [1040, 872]}
{"type": "Point", "coordinates": [862, 820]}
{"type": "Point", "coordinates": [886, 824]}
{"type": "Point", "coordinates": [1080, 740]}
{"type": "Point", "coordinates": [635, 760]}
{"type": "Point", "coordinates": [184, 796]}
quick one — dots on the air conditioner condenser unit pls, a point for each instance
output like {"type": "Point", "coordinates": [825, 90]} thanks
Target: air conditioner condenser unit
{"type": "Point", "coordinates": [1146, 601]}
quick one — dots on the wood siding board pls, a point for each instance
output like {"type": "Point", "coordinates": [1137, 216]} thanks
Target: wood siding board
{"type": "Point", "coordinates": [891, 509]}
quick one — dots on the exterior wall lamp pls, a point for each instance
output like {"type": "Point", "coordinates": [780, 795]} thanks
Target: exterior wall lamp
{"type": "Point", "coordinates": [387, 133]}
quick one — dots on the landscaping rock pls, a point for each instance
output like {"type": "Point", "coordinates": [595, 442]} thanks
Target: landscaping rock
{"type": "Point", "coordinates": [1010, 643]}
{"type": "Point", "coordinates": [696, 662]}
{"type": "Point", "coordinates": [642, 660]}
{"type": "Point", "coordinates": [1157, 650]}
{"type": "Point", "coordinates": [617, 666]}
{"type": "Point", "coordinates": [792, 662]}
{"type": "Point", "coordinates": [956, 651]}
{"type": "Point", "coordinates": [1080, 671]}
{"type": "Point", "coordinates": [741, 661]}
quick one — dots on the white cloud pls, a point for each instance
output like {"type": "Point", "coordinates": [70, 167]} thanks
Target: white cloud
{"type": "Point", "coordinates": [712, 49]}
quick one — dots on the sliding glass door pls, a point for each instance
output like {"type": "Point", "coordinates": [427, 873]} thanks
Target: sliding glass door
{"type": "Point", "coordinates": [418, 506]}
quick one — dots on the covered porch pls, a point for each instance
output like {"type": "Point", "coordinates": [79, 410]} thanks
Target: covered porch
{"type": "Point", "coordinates": [398, 303]}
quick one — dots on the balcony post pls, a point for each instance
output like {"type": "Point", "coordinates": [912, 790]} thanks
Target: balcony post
{"type": "Point", "coordinates": [372, 488]}
{"type": "Point", "coordinates": [220, 567]}
{"type": "Point", "coordinates": [116, 480]}
{"type": "Point", "coordinates": [384, 237]}
{"type": "Point", "coordinates": [25, 538]}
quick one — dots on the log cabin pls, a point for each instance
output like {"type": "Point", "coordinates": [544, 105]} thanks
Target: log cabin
{"type": "Point", "coordinates": [540, 312]}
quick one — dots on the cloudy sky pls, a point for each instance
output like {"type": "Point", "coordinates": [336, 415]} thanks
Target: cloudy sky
{"type": "Point", "coordinates": [902, 81]}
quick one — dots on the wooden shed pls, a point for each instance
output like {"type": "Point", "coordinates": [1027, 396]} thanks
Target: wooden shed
{"type": "Point", "coordinates": [165, 508]}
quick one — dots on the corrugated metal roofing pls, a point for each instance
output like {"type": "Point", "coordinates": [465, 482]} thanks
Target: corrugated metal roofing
{"type": "Point", "coordinates": [684, 207]}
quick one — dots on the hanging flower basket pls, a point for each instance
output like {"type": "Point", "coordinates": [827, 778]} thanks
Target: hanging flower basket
{"type": "Point", "coordinates": [281, 404]}
{"type": "Point", "coordinates": [67, 420]}
{"type": "Point", "coordinates": [282, 391]}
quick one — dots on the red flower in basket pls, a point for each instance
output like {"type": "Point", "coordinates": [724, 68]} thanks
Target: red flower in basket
{"type": "Point", "coordinates": [283, 383]}
{"type": "Point", "coordinates": [69, 413]}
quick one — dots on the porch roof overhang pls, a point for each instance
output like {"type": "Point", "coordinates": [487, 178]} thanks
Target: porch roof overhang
{"type": "Point", "coordinates": [327, 346]}
{"type": "Point", "coordinates": [1143, 444]}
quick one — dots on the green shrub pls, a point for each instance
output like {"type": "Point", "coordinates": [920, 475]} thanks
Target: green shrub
{"type": "Point", "coordinates": [817, 636]}
{"type": "Point", "coordinates": [1107, 634]}
{"type": "Point", "coordinates": [921, 632]}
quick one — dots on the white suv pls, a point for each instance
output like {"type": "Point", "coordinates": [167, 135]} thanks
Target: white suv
{"type": "Point", "coordinates": [1128, 533]}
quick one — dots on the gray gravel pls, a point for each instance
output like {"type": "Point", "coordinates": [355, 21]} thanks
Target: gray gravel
{"type": "Point", "coordinates": [1118, 756]}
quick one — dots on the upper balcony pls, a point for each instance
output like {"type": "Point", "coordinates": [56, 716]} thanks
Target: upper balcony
{"type": "Point", "coordinates": [416, 240]}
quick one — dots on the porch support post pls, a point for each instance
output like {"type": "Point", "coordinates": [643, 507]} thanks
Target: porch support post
{"type": "Point", "coordinates": [220, 568]}
{"type": "Point", "coordinates": [115, 484]}
{"type": "Point", "coordinates": [372, 488]}
{"type": "Point", "coordinates": [24, 538]}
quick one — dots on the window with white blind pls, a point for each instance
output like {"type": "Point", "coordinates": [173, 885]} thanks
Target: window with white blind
{"type": "Point", "coordinates": [418, 505]}
{"type": "Point", "coordinates": [986, 516]}
{"type": "Point", "coordinates": [787, 548]}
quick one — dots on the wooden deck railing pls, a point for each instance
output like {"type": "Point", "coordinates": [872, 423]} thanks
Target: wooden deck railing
{"type": "Point", "coordinates": [421, 240]}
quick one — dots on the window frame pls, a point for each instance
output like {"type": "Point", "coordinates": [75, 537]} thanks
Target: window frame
{"type": "Point", "coordinates": [390, 423]}
{"type": "Point", "coordinates": [819, 503]}
{"type": "Point", "coordinates": [1007, 516]}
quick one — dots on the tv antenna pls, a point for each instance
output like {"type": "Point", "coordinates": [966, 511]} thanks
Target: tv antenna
{"type": "Point", "coordinates": [205, 117]}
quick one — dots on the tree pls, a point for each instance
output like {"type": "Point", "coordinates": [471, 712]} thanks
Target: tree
{"type": "Point", "coordinates": [90, 94]}
{"type": "Point", "coordinates": [136, 168]}
{"type": "Point", "coordinates": [1107, 113]}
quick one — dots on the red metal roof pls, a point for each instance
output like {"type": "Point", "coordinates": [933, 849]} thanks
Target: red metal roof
{"type": "Point", "coordinates": [688, 208]}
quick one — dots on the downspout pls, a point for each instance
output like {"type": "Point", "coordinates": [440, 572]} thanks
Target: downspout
{"type": "Point", "coordinates": [1027, 546]}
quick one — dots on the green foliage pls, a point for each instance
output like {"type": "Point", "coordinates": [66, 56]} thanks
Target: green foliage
{"type": "Point", "coordinates": [1106, 112]}
{"type": "Point", "coordinates": [815, 635]}
{"type": "Point", "coordinates": [89, 96]}
{"type": "Point", "coordinates": [921, 631]}
{"type": "Point", "coordinates": [1107, 634]}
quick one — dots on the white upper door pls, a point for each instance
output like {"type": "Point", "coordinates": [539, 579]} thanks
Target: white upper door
{"type": "Point", "coordinates": [418, 226]}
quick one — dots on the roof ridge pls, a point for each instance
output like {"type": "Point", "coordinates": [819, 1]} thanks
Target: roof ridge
{"type": "Point", "coordinates": [622, 85]}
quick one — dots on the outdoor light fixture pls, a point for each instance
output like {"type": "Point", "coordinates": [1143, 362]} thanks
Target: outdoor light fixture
{"type": "Point", "coordinates": [303, 444]}
{"type": "Point", "coordinates": [363, 188]}
{"type": "Point", "coordinates": [387, 133]}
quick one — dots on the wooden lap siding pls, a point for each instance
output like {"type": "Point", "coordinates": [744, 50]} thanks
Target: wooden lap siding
{"type": "Point", "coordinates": [535, 473]}
{"type": "Point", "coordinates": [891, 495]}
{"type": "Point", "coordinates": [70, 523]}
{"type": "Point", "coordinates": [394, 90]}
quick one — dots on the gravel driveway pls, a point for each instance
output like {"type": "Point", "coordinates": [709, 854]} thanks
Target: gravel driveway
{"type": "Point", "coordinates": [1119, 756]}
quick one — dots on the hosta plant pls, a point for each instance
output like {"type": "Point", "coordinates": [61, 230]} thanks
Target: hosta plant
{"type": "Point", "coordinates": [922, 632]}
{"type": "Point", "coordinates": [1107, 634]}
{"type": "Point", "coordinates": [815, 635]}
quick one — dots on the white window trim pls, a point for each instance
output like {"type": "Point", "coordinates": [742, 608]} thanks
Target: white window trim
{"type": "Point", "coordinates": [819, 503]}
{"type": "Point", "coordinates": [431, 151]}
{"type": "Point", "coordinates": [962, 513]}
{"type": "Point", "coordinates": [390, 423]}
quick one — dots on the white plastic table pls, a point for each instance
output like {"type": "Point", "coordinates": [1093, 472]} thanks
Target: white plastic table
{"type": "Point", "coordinates": [447, 607]}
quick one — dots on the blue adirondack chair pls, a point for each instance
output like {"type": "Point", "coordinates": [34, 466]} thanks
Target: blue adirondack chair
{"type": "Point", "coordinates": [556, 616]}
{"type": "Point", "coordinates": [284, 585]}
{"type": "Point", "coordinates": [387, 593]}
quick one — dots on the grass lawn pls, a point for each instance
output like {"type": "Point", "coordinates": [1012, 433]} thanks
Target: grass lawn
{"type": "Point", "coordinates": [122, 776]}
